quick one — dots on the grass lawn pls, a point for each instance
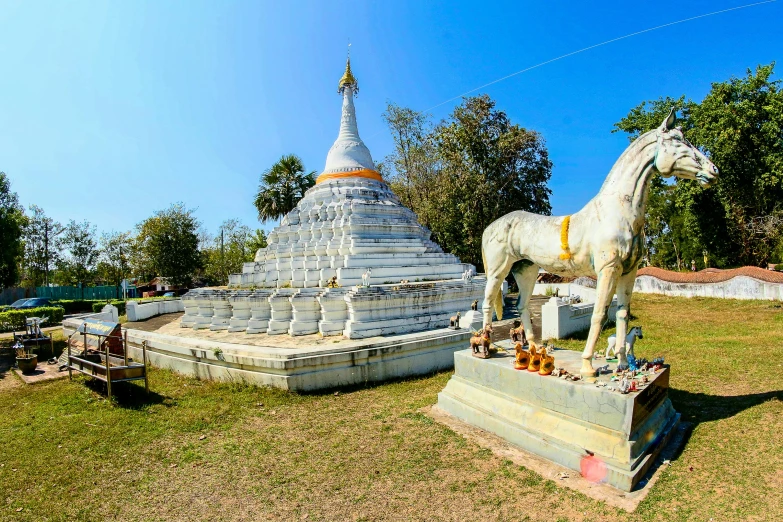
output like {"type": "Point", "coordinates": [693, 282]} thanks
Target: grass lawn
{"type": "Point", "coordinates": [196, 450]}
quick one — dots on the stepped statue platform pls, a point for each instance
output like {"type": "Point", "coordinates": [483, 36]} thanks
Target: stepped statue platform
{"type": "Point", "coordinates": [350, 289]}
{"type": "Point", "coordinates": [562, 420]}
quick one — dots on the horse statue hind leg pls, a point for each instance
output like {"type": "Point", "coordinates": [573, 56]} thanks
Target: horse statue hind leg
{"type": "Point", "coordinates": [525, 274]}
{"type": "Point", "coordinates": [497, 265]}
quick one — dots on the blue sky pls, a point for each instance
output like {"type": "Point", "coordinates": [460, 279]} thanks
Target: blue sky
{"type": "Point", "coordinates": [111, 110]}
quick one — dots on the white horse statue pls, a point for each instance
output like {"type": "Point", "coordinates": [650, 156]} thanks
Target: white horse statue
{"type": "Point", "coordinates": [604, 238]}
{"type": "Point", "coordinates": [630, 340]}
{"type": "Point", "coordinates": [367, 277]}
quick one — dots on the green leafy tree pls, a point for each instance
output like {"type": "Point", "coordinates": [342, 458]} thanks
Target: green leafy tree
{"type": "Point", "coordinates": [412, 169]}
{"type": "Point", "coordinates": [739, 124]}
{"type": "Point", "coordinates": [256, 241]}
{"type": "Point", "coordinates": [281, 188]}
{"type": "Point", "coordinates": [12, 223]}
{"type": "Point", "coordinates": [166, 245]}
{"type": "Point", "coordinates": [77, 266]}
{"type": "Point", "coordinates": [467, 171]}
{"type": "Point", "coordinates": [113, 263]}
{"type": "Point", "coordinates": [41, 248]}
{"type": "Point", "coordinates": [232, 246]}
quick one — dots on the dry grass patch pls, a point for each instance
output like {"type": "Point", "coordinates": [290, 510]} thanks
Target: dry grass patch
{"type": "Point", "coordinates": [204, 451]}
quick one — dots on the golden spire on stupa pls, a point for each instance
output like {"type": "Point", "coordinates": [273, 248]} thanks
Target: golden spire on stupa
{"type": "Point", "coordinates": [348, 79]}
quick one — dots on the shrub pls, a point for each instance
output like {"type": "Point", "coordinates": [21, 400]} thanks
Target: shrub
{"type": "Point", "coordinates": [14, 320]}
{"type": "Point", "coordinates": [78, 306]}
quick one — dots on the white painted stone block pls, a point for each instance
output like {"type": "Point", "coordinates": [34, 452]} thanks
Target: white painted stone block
{"type": "Point", "coordinates": [190, 305]}
{"type": "Point", "coordinates": [240, 311]}
{"type": "Point", "coordinates": [281, 311]}
{"type": "Point", "coordinates": [305, 312]}
{"type": "Point", "coordinates": [260, 311]}
{"type": "Point", "coordinates": [204, 317]}
{"type": "Point", "coordinates": [560, 319]}
{"type": "Point", "coordinates": [221, 312]}
{"type": "Point", "coordinates": [112, 311]}
{"type": "Point", "coordinates": [334, 311]}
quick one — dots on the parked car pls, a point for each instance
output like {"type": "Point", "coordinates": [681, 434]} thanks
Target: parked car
{"type": "Point", "coordinates": [18, 303]}
{"type": "Point", "coordinates": [33, 302]}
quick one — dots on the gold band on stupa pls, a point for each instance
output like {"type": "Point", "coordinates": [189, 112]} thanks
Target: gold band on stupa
{"type": "Point", "coordinates": [364, 173]}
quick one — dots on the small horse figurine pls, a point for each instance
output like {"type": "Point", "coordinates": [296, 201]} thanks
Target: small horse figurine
{"type": "Point", "coordinates": [474, 306]}
{"type": "Point", "coordinates": [480, 342]}
{"type": "Point", "coordinates": [612, 350]}
{"type": "Point", "coordinates": [517, 333]}
{"type": "Point", "coordinates": [366, 277]}
{"type": "Point", "coordinates": [604, 239]}
{"type": "Point", "coordinates": [454, 322]}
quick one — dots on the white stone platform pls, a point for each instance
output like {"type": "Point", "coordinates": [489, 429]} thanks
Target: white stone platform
{"type": "Point", "coordinates": [560, 420]}
{"type": "Point", "coordinates": [303, 363]}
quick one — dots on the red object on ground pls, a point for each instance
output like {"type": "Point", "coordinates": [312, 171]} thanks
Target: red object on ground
{"type": "Point", "coordinates": [593, 469]}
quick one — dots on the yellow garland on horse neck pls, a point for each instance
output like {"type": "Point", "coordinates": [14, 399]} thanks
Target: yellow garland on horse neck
{"type": "Point", "coordinates": [564, 238]}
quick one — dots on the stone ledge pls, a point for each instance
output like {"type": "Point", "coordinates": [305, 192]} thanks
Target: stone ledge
{"type": "Point", "coordinates": [561, 475]}
{"type": "Point", "coordinates": [306, 368]}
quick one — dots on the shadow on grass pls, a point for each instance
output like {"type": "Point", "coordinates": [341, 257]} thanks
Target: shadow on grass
{"type": "Point", "coordinates": [696, 408]}
{"type": "Point", "coordinates": [7, 361]}
{"type": "Point", "coordinates": [129, 395]}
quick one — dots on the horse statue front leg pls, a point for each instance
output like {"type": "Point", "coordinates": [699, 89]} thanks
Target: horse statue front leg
{"type": "Point", "coordinates": [624, 291]}
{"type": "Point", "coordinates": [607, 282]}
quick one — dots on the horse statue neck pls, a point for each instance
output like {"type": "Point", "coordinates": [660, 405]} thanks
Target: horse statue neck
{"type": "Point", "coordinates": [626, 186]}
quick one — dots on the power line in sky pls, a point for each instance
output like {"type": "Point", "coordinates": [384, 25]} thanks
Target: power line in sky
{"type": "Point", "coordinates": [598, 45]}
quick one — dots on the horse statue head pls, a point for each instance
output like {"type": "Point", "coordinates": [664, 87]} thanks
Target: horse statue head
{"type": "Point", "coordinates": [638, 330]}
{"type": "Point", "coordinates": [676, 156]}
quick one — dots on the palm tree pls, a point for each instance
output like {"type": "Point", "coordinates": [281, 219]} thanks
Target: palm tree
{"type": "Point", "coordinates": [281, 187]}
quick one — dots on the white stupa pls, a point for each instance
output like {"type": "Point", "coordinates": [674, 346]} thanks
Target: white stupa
{"type": "Point", "coordinates": [352, 226]}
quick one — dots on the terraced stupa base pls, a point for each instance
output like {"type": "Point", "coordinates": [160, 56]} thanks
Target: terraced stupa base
{"type": "Point", "coordinates": [302, 363]}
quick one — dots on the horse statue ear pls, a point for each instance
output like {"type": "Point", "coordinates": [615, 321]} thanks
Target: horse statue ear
{"type": "Point", "coordinates": [670, 120]}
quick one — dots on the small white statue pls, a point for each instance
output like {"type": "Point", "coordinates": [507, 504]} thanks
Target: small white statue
{"type": "Point", "coordinates": [366, 277]}
{"type": "Point", "coordinates": [467, 275]}
{"type": "Point", "coordinates": [613, 350]}
{"type": "Point", "coordinates": [625, 385]}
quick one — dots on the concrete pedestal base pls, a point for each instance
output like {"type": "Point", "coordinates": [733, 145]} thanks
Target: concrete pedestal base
{"type": "Point", "coordinates": [562, 420]}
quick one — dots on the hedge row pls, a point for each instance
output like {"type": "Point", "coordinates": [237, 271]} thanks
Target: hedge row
{"type": "Point", "coordinates": [14, 320]}
{"type": "Point", "coordinates": [78, 306]}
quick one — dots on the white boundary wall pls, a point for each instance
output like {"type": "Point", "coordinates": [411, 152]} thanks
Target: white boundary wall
{"type": "Point", "coordinates": [738, 287]}
{"type": "Point", "coordinates": [140, 311]}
